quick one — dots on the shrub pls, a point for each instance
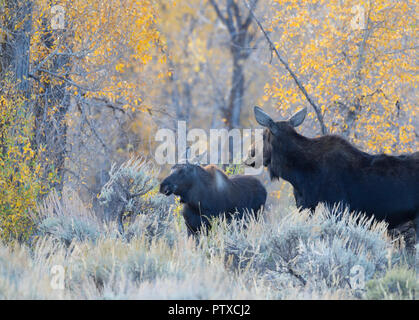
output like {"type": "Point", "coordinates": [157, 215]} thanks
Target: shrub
{"type": "Point", "coordinates": [21, 181]}
{"type": "Point", "coordinates": [25, 273]}
{"type": "Point", "coordinates": [66, 219]}
{"type": "Point", "coordinates": [316, 250]}
{"type": "Point", "coordinates": [281, 254]}
{"type": "Point", "coordinates": [133, 189]}
{"type": "Point", "coordinates": [399, 283]}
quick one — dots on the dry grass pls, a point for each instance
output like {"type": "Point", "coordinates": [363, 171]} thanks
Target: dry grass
{"type": "Point", "coordinates": [285, 255]}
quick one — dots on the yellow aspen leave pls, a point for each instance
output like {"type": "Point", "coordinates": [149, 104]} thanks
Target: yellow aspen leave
{"type": "Point", "coordinates": [110, 43]}
{"type": "Point", "coordinates": [359, 61]}
{"type": "Point", "coordinates": [20, 173]}
{"type": "Point", "coordinates": [106, 45]}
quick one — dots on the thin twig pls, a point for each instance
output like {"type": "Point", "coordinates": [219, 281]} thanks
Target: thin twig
{"type": "Point", "coordinates": [291, 72]}
{"type": "Point", "coordinates": [92, 128]}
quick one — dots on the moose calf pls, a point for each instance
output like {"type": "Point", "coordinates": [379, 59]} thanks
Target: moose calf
{"type": "Point", "coordinates": [207, 192]}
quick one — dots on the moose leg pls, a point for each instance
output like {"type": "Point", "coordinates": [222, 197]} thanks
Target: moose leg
{"type": "Point", "coordinates": [191, 221]}
{"type": "Point", "coordinates": [120, 223]}
{"type": "Point", "coordinates": [298, 198]}
{"type": "Point", "coordinates": [189, 230]}
{"type": "Point", "coordinates": [120, 209]}
{"type": "Point", "coordinates": [302, 203]}
{"type": "Point", "coordinates": [191, 233]}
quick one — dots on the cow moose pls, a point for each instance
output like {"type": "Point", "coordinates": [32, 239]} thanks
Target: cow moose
{"type": "Point", "coordinates": [207, 192]}
{"type": "Point", "coordinates": [329, 169]}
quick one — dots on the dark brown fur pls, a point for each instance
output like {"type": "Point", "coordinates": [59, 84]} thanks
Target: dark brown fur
{"type": "Point", "coordinates": [329, 169]}
{"type": "Point", "coordinates": [207, 192]}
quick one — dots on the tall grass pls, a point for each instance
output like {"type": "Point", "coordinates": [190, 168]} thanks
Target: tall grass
{"type": "Point", "coordinates": [283, 254]}
{"type": "Point", "coordinates": [280, 256]}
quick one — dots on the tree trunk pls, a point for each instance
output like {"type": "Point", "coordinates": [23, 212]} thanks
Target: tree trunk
{"type": "Point", "coordinates": [15, 49]}
{"type": "Point", "coordinates": [237, 24]}
{"type": "Point", "coordinates": [236, 95]}
{"type": "Point", "coordinates": [51, 110]}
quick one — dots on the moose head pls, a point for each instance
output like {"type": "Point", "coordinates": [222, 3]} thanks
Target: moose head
{"type": "Point", "coordinates": [277, 136]}
{"type": "Point", "coordinates": [182, 176]}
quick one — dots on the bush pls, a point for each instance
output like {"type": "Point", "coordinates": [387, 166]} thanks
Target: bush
{"type": "Point", "coordinates": [133, 189]}
{"type": "Point", "coordinates": [66, 219]}
{"type": "Point", "coordinates": [282, 254]}
{"type": "Point", "coordinates": [399, 283]}
{"type": "Point", "coordinates": [25, 273]}
{"type": "Point", "coordinates": [21, 181]}
{"type": "Point", "coordinates": [318, 251]}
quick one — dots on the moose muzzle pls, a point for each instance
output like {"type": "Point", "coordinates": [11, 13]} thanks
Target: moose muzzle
{"type": "Point", "coordinates": [167, 188]}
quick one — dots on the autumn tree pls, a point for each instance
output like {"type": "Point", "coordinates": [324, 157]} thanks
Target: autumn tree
{"type": "Point", "coordinates": [86, 68]}
{"type": "Point", "coordinates": [15, 27]}
{"type": "Point", "coordinates": [213, 68]}
{"type": "Point", "coordinates": [357, 61]}
{"type": "Point", "coordinates": [71, 61]}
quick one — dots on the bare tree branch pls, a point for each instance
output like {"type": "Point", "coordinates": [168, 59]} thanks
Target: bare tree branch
{"type": "Point", "coordinates": [95, 133]}
{"type": "Point", "coordinates": [248, 21]}
{"type": "Point", "coordinates": [291, 72]}
{"type": "Point", "coordinates": [219, 14]}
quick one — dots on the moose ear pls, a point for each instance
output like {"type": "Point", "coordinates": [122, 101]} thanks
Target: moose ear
{"type": "Point", "coordinates": [265, 120]}
{"type": "Point", "coordinates": [298, 117]}
{"type": "Point", "coordinates": [186, 156]}
{"type": "Point", "coordinates": [200, 158]}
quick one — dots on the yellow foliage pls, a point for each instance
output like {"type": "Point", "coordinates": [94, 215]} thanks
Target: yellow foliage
{"type": "Point", "coordinates": [20, 174]}
{"type": "Point", "coordinates": [111, 41]}
{"type": "Point", "coordinates": [357, 59]}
